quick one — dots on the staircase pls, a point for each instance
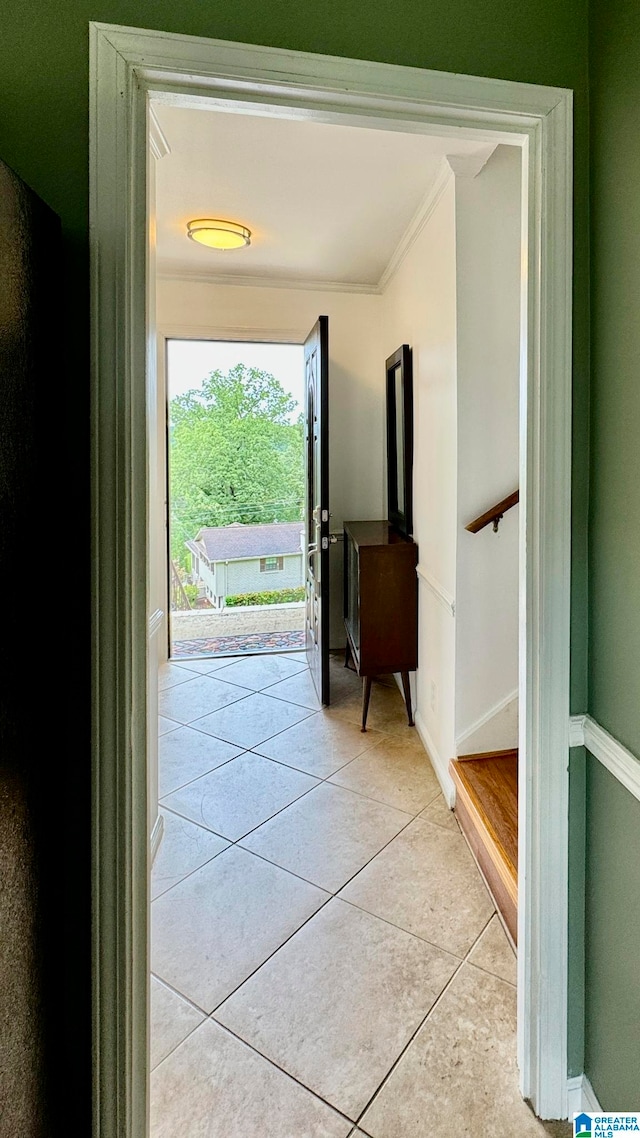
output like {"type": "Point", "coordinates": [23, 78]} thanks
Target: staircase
{"type": "Point", "coordinates": [179, 599]}
{"type": "Point", "coordinates": [487, 810]}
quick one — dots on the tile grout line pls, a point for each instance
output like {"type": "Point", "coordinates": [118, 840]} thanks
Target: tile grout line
{"type": "Point", "coordinates": [300, 770]}
{"type": "Point", "coordinates": [332, 896]}
{"type": "Point", "coordinates": [352, 790]}
{"type": "Point", "coordinates": [234, 703]}
{"type": "Point", "coordinates": [198, 867]}
{"type": "Point", "coordinates": [288, 766]}
{"type": "Point", "coordinates": [260, 691]}
{"type": "Point", "coordinates": [253, 1047]}
{"type": "Point", "coordinates": [213, 676]}
{"type": "Point", "coordinates": [212, 711]}
{"type": "Point", "coordinates": [177, 992]}
{"type": "Point", "coordinates": [211, 1014]}
{"type": "Point", "coordinates": [235, 841]}
{"type": "Point", "coordinates": [275, 815]}
{"type": "Point", "coordinates": [281, 1070]}
{"type": "Point", "coordinates": [314, 883]}
{"type": "Point", "coordinates": [487, 972]}
{"type": "Point", "coordinates": [168, 793]}
{"type": "Point", "coordinates": [326, 779]}
{"type": "Point", "coordinates": [176, 1046]}
{"type": "Point", "coordinates": [434, 1005]}
{"type": "Point", "coordinates": [161, 801]}
{"type": "Point", "coordinates": [400, 928]}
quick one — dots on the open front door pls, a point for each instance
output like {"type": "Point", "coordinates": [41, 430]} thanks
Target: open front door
{"type": "Point", "coordinates": [316, 368]}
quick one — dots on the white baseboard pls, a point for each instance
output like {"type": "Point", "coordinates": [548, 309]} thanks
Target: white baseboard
{"type": "Point", "coordinates": [156, 836]}
{"type": "Point", "coordinates": [440, 765]}
{"type": "Point", "coordinates": [581, 1096]}
{"type": "Point", "coordinates": [589, 1100]}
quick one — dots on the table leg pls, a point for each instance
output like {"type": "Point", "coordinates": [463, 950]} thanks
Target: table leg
{"type": "Point", "coordinates": [366, 694]}
{"type": "Point", "coordinates": [407, 696]}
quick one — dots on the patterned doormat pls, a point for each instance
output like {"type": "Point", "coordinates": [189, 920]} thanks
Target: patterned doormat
{"type": "Point", "coordinates": [234, 645]}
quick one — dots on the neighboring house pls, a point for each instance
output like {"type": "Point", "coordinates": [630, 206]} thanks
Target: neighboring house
{"type": "Point", "coordinates": [233, 559]}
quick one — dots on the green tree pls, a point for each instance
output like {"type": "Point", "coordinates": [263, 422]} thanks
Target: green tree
{"type": "Point", "coordinates": [235, 455]}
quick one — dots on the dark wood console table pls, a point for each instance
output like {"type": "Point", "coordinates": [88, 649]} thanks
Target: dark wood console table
{"type": "Point", "coordinates": [380, 605]}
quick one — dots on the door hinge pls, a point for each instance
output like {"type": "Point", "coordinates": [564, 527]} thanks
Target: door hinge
{"type": "Point", "coordinates": [325, 543]}
{"type": "Point", "coordinates": [325, 515]}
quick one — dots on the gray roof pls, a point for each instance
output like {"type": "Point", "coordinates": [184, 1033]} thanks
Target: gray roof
{"type": "Point", "coordinates": [229, 543]}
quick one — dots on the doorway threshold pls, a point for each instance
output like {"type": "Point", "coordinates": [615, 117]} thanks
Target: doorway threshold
{"type": "Point", "coordinates": [250, 643]}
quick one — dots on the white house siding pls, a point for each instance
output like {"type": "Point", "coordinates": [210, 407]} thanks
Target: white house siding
{"type": "Point", "coordinates": [245, 576]}
{"type": "Point", "coordinates": [213, 580]}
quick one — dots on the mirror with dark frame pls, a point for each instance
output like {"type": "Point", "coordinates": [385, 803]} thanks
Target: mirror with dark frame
{"type": "Point", "coordinates": [400, 439]}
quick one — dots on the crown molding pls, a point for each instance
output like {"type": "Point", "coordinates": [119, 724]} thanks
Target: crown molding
{"type": "Point", "coordinates": [469, 165]}
{"type": "Point", "coordinates": [158, 143]}
{"type": "Point", "coordinates": [417, 224]}
{"type": "Point", "coordinates": [246, 281]}
{"type": "Point", "coordinates": [236, 332]}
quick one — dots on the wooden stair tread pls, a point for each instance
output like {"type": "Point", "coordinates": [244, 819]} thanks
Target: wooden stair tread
{"type": "Point", "coordinates": [491, 786]}
{"type": "Point", "coordinates": [487, 810]}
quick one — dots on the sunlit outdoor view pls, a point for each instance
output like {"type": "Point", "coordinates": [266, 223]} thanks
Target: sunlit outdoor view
{"type": "Point", "coordinates": [236, 497]}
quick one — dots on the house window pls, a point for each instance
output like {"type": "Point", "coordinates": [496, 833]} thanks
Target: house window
{"type": "Point", "coordinates": [271, 564]}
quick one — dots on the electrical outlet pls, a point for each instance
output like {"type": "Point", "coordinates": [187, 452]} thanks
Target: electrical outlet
{"type": "Point", "coordinates": [433, 698]}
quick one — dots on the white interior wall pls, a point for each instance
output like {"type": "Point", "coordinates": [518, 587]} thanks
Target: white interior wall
{"type": "Point", "coordinates": [420, 310]}
{"type": "Point", "coordinates": [488, 258]}
{"type": "Point", "coordinates": [199, 309]}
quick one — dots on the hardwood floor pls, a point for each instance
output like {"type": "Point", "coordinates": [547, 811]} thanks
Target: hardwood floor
{"type": "Point", "coordinates": [487, 809]}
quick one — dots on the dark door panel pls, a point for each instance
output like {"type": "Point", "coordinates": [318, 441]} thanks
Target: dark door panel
{"type": "Point", "coordinates": [316, 366]}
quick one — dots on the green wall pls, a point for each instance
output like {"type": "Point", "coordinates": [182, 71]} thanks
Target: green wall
{"type": "Point", "coordinates": [614, 697]}
{"type": "Point", "coordinates": [613, 815]}
{"type": "Point", "coordinates": [612, 1021]}
{"type": "Point", "coordinates": [575, 1009]}
{"type": "Point", "coordinates": [43, 135]}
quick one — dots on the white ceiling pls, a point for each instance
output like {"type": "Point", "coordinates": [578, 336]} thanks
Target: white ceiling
{"type": "Point", "coordinates": [325, 203]}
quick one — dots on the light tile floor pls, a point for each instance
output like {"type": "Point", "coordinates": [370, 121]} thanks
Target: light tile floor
{"type": "Point", "coordinates": [324, 952]}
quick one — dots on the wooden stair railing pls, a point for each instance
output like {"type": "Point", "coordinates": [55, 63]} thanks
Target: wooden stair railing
{"type": "Point", "coordinates": [495, 514]}
{"type": "Point", "coordinates": [179, 599]}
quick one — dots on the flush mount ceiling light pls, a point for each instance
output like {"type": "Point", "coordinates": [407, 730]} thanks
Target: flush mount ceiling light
{"type": "Point", "coordinates": [218, 234]}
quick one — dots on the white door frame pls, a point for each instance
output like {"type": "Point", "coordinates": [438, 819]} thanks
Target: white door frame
{"type": "Point", "coordinates": [126, 66]}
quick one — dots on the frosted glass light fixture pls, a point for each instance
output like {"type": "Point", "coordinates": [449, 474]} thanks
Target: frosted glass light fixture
{"type": "Point", "coordinates": [218, 234]}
